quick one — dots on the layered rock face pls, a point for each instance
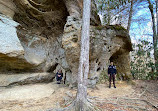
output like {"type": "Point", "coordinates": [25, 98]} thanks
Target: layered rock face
{"type": "Point", "coordinates": [106, 43]}
{"type": "Point", "coordinates": [43, 36]}
{"type": "Point", "coordinates": [11, 50]}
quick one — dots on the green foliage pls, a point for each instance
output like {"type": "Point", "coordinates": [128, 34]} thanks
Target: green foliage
{"type": "Point", "coordinates": [107, 8]}
{"type": "Point", "coordinates": [113, 27]}
{"type": "Point", "coordinates": [112, 4]}
{"type": "Point", "coordinates": [142, 64]}
{"type": "Point", "coordinates": [103, 77]}
{"type": "Point", "coordinates": [117, 27]}
{"type": "Point", "coordinates": [99, 27]}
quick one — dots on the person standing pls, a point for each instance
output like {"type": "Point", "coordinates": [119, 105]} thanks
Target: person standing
{"type": "Point", "coordinates": [112, 73]}
{"type": "Point", "coordinates": [59, 76]}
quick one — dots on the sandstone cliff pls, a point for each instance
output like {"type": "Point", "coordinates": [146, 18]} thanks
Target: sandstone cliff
{"type": "Point", "coordinates": [43, 35]}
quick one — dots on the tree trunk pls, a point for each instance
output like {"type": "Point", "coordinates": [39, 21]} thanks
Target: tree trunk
{"type": "Point", "coordinates": [153, 20]}
{"type": "Point", "coordinates": [157, 16]}
{"type": "Point", "coordinates": [156, 41]}
{"type": "Point", "coordinates": [154, 33]}
{"type": "Point", "coordinates": [108, 10]}
{"type": "Point", "coordinates": [130, 16]}
{"type": "Point", "coordinates": [84, 57]}
{"type": "Point", "coordinates": [82, 103]}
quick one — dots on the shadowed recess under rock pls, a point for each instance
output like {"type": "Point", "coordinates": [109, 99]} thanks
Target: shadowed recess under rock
{"type": "Point", "coordinates": [43, 18]}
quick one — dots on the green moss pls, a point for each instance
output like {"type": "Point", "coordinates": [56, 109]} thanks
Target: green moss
{"type": "Point", "coordinates": [116, 27]}
{"type": "Point", "coordinates": [100, 27]}
{"type": "Point", "coordinates": [113, 27]}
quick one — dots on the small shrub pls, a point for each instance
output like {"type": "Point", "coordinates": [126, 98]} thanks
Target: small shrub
{"type": "Point", "coordinates": [99, 27]}
{"type": "Point", "coordinates": [103, 77]}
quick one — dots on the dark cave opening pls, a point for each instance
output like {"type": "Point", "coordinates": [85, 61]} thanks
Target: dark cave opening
{"type": "Point", "coordinates": [52, 68]}
{"type": "Point", "coordinates": [122, 62]}
{"type": "Point", "coordinates": [115, 56]}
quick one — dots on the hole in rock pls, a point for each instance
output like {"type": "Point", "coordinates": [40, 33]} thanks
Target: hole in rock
{"type": "Point", "coordinates": [75, 39]}
{"type": "Point", "coordinates": [99, 63]}
{"type": "Point", "coordinates": [96, 60]}
{"type": "Point", "coordinates": [52, 68]}
{"type": "Point", "coordinates": [120, 59]}
{"type": "Point", "coordinates": [98, 69]}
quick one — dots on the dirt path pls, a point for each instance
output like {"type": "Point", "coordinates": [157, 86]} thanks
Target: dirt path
{"type": "Point", "coordinates": [104, 92]}
{"type": "Point", "coordinates": [42, 97]}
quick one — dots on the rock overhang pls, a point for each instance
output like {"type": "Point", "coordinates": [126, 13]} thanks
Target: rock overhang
{"type": "Point", "coordinates": [53, 36]}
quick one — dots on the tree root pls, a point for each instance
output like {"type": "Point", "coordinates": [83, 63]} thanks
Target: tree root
{"type": "Point", "coordinates": [143, 91]}
{"type": "Point", "coordinates": [150, 104]}
{"type": "Point", "coordinates": [75, 106]}
{"type": "Point", "coordinates": [147, 102]}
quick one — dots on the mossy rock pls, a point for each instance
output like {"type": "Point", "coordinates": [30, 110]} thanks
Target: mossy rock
{"type": "Point", "coordinates": [99, 27]}
{"type": "Point", "coordinates": [116, 27]}
{"type": "Point", "coordinates": [113, 27]}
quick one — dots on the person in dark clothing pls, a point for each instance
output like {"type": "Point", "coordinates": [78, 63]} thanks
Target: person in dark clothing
{"type": "Point", "coordinates": [59, 76]}
{"type": "Point", "coordinates": [112, 73]}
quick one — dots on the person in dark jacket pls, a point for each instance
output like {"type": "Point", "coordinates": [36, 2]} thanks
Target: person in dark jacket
{"type": "Point", "coordinates": [59, 76]}
{"type": "Point", "coordinates": [112, 73]}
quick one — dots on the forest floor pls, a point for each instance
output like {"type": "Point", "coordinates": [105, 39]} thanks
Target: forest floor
{"type": "Point", "coordinates": [137, 95]}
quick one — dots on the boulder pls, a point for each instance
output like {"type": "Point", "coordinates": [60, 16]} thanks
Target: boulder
{"type": "Point", "coordinates": [7, 80]}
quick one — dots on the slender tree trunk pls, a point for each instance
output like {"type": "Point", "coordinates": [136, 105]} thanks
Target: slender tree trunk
{"type": "Point", "coordinates": [153, 20]}
{"type": "Point", "coordinates": [156, 15]}
{"type": "Point", "coordinates": [130, 16]}
{"type": "Point", "coordinates": [84, 57]}
{"type": "Point", "coordinates": [154, 33]}
{"type": "Point", "coordinates": [156, 41]}
{"type": "Point", "coordinates": [108, 19]}
{"type": "Point", "coordinates": [81, 103]}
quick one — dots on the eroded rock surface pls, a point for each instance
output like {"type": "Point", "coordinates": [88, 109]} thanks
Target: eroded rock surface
{"type": "Point", "coordinates": [9, 42]}
{"type": "Point", "coordinates": [49, 34]}
{"type": "Point", "coordinates": [26, 78]}
{"type": "Point", "coordinates": [106, 43]}
{"type": "Point", "coordinates": [11, 50]}
{"type": "Point", "coordinates": [7, 7]}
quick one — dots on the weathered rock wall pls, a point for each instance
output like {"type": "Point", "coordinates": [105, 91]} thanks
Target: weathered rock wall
{"type": "Point", "coordinates": [49, 34]}
{"type": "Point", "coordinates": [11, 50]}
{"type": "Point", "coordinates": [8, 8]}
{"type": "Point", "coordinates": [106, 43]}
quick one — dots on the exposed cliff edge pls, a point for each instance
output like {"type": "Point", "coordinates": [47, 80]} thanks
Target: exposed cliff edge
{"type": "Point", "coordinates": [46, 37]}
